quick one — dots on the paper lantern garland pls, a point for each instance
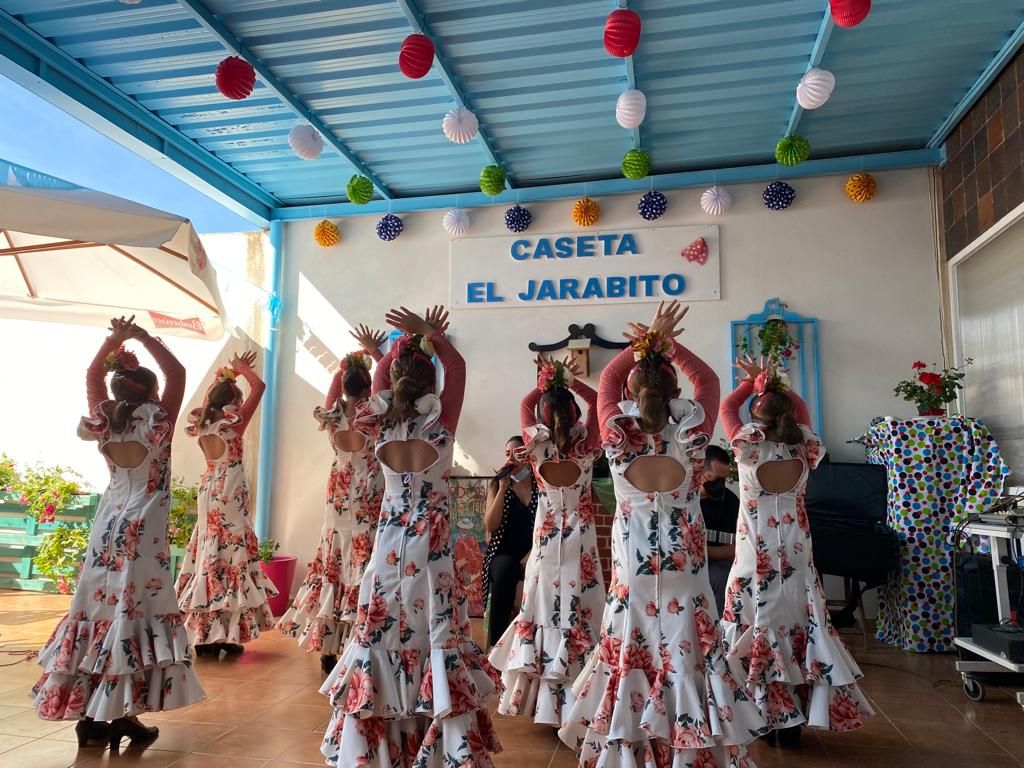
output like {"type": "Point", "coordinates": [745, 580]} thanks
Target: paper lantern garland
{"type": "Point", "coordinates": [389, 227]}
{"type": "Point", "coordinates": [235, 78]}
{"type": "Point", "coordinates": [715, 201]}
{"type": "Point", "coordinates": [861, 187]}
{"type": "Point", "coordinates": [815, 88]}
{"type": "Point", "coordinates": [326, 234]}
{"type": "Point", "coordinates": [849, 13]}
{"type": "Point", "coordinates": [460, 125]}
{"type": "Point", "coordinates": [456, 222]}
{"type": "Point", "coordinates": [631, 108]}
{"type": "Point", "coordinates": [492, 180]}
{"type": "Point", "coordinates": [359, 190]}
{"type": "Point", "coordinates": [586, 212]}
{"type": "Point", "coordinates": [652, 205]}
{"type": "Point", "coordinates": [636, 164]}
{"type": "Point", "coordinates": [518, 219]}
{"type": "Point", "coordinates": [416, 56]}
{"type": "Point", "coordinates": [622, 32]}
{"type": "Point", "coordinates": [792, 150]}
{"type": "Point", "coordinates": [778, 195]}
{"type": "Point", "coordinates": [305, 141]}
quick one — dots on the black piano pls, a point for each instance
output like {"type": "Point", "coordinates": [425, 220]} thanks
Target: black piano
{"type": "Point", "coordinates": [846, 507]}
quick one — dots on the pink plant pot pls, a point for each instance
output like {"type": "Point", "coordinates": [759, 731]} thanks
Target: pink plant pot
{"type": "Point", "coordinates": [280, 571]}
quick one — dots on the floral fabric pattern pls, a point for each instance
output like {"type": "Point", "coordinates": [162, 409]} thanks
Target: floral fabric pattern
{"type": "Point", "coordinates": [221, 588]}
{"type": "Point", "coordinates": [545, 647]}
{"type": "Point", "coordinates": [658, 691]}
{"type": "Point", "coordinates": [775, 626]}
{"type": "Point", "coordinates": [411, 686]}
{"type": "Point", "coordinates": [325, 607]}
{"type": "Point", "coordinates": [122, 650]}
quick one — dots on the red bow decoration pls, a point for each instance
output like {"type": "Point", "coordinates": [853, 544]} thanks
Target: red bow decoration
{"type": "Point", "coordinates": [697, 251]}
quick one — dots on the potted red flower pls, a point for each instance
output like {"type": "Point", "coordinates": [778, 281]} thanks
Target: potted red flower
{"type": "Point", "coordinates": [931, 390]}
{"type": "Point", "coordinates": [280, 569]}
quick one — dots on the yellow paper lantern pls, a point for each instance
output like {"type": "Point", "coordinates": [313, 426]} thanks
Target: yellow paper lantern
{"type": "Point", "coordinates": [861, 187]}
{"type": "Point", "coordinates": [586, 212]}
{"type": "Point", "coordinates": [327, 234]}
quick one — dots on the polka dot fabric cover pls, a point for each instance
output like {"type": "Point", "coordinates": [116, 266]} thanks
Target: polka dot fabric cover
{"type": "Point", "coordinates": [940, 470]}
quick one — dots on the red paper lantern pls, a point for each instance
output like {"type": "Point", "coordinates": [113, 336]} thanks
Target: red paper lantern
{"type": "Point", "coordinates": [849, 13]}
{"type": "Point", "coordinates": [416, 56]}
{"type": "Point", "coordinates": [235, 78]}
{"type": "Point", "coordinates": [622, 32]}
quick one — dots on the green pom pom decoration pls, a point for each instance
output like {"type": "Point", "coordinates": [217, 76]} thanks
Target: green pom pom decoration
{"type": "Point", "coordinates": [359, 190]}
{"type": "Point", "coordinates": [636, 164]}
{"type": "Point", "coordinates": [792, 150]}
{"type": "Point", "coordinates": [492, 180]}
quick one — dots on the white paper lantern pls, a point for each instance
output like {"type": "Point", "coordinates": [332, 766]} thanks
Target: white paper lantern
{"type": "Point", "coordinates": [715, 201]}
{"type": "Point", "coordinates": [460, 125]}
{"type": "Point", "coordinates": [631, 108]}
{"type": "Point", "coordinates": [815, 88]}
{"type": "Point", "coordinates": [456, 222]}
{"type": "Point", "coordinates": [305, 141]}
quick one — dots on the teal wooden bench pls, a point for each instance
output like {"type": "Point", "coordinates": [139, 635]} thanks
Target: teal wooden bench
{"type": "Point", "coordinates": [21, 535]}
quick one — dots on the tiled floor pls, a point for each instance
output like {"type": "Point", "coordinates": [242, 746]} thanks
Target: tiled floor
{"type": "Point", "coordinates": [264, 712]}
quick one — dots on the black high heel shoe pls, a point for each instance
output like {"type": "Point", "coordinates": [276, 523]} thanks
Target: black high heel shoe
{"type": "Point", "coordinates": [327, 663]}
{"type": "Point", "coordinates": [137, 733]}
{"type": "Point", "coordinates": [789, 738]}
{"type": "Point", "coordinates": [88, 730]}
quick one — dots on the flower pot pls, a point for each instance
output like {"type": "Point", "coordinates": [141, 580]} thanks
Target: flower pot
{"type": "Point", "coordinates": [930, 411]}
{"type": "Point", "coordinates": [280, 571]}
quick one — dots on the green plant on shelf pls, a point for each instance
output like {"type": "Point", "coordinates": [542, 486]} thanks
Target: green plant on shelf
{"type": "Point", "coordinates": [775, 343]}
{"type": "Point", "coordinates": [183, 515]}
{"type": "Point", "coordinates": [267, 549]}
{"type": "Point", "coordinates": [931, 389]}
{"type": "Point", "coordinates": [61, 553]}
{"type": "Point", "coordinates": [9, 476]}
{"type": "Point", "coordinates": [46, 491]}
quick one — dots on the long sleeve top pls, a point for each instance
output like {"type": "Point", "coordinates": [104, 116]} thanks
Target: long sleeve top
{"type": "Point", "coordinates": [730, 411]}
{"type": "Point", "coordinates": [334, 392]}
{"type": "Point", "coordinates": [256, 390]}
{"type": "Point", "coordinates": [174, 374]}
{"type": "Point", "coordinates": [706, 388]}
{"type": "Point", "coordinates": [454, 378]}
{"type": "Point", "coordinates": [528, 413]}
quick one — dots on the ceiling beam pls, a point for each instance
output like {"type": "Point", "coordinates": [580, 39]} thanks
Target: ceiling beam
{"type": "Point", "coordinates": [234, 44]}
{"type": "Point", "coordinates": [60, 245]}
{"type": "Point", "coordinates": [165, 278]}
{"type": "Point", "coordinates": [418, 22]}
{"type": "Point", "coordinates": [817, 56]}
{"type": "Point", "coordinates": [630, 79]}
{"type": "Point", "coordinates": [21, 267]}
{"type": "Point", "coordinates": [614, 186]}
{"type": "Point", "coordinates": [985, 79]}
{"type": "Point", "coordinates": [40, 66]}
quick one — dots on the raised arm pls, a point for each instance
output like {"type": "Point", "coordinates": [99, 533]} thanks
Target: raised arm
{"type": "Point", "coordinates": [256, 389]}
{"type": "Point", "coordinates": [800, 412]}
{"type": "Point", "coordinates": [610, 386]}
{"type": "Point", "coordinates": [382, 374]}
{"type": "Point", "coordinates": [730, 410]}
{"type": "Point", "coordinates": [454, 379]}
{"type": "Point", "coordinates": [334, 392]}
{"type": "Point", "coordinates": [528, 410]}
{"type": "Point", "coordinates": [174, 375]}
{"type": "Point", "coordinates": [706, 388]}
{"type": "Point", "coordinates": [96, 374]}
{"type": "Point", "coordinates": [589, 396]}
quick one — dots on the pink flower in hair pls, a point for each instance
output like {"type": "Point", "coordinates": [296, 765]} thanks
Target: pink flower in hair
{"type": "Point", "coordinates": [763, 382]}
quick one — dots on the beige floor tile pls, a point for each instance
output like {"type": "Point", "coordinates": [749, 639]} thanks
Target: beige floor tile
{"type": "Point", "coordinates": [207, 761]}
{"type": "Point", "coordinates": [27, 723]}
{"type": "Point", "coordinates": [253, 741]}
{"type": "Point", "coordinates": [310, 696]}
{"type": "Point", "coordinates": [299, 717]}
{"type": "Point", "coordinates": [6, 711]}
{"type": "Point", "coordinates": [214, 711]}
{"type": "Point", "coordinates": [8, 743]}
{"type": "Point", "coordinates": [150, 757]}
{"type": "Point", "coordinates": [47, 753]}
{"type": "Point", "coordinates": [178, 736]}
{"type": "Point", "coordinates": [306, 751]}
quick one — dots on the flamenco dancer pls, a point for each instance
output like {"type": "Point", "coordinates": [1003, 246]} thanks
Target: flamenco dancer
{"type": "Point", "coordinates": [410, 686]}
{"type": "Point", "coordinates": [545, 648]}
{"type": "Point", "coordinates": [658, 691]}
{"type": "Point", "coordinates": [325, 607]}
{"type": "Point", "coordinates": [122, 649]}
{"type": "Point", "coordinates": [775, 622]}
{"type": "Point", "coordinates": [221, 589]}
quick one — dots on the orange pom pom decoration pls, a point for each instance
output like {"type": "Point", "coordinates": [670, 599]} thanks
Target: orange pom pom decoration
{"type": "Point", "coordinates": [586, 212]}
{"type": "Point", "coordinates": [861, 187]}
{"type": "Point", "coordinates": [327, 234]}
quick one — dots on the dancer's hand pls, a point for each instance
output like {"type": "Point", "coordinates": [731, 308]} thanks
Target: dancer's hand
{"type": "Point", "coordinates": [750, 367]}
{"type": "Point", "coordinates": [437, 318]}
{"type": "Point", "coordinates": [541, 360]}
{"type": "Point", "coordinates": [245, 360]}
{"type": "Point", "coordinates": [368, 338]}
{"type": "Point", "coordinates": [666, 319]}
{"type": "Point", "coordinates": [121, 329]}
{"type": "Point", "coordinates": [407, 321]}
{"type": "Point", "coordinates": [572, 365]}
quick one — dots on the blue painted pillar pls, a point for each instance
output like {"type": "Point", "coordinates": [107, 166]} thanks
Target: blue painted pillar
{"type": "Point", "coordinates": [268, 418]}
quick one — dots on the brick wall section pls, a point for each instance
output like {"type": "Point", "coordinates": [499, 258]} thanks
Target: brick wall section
{"type": "Point", "coordinates": [603, 525]}
{"type": "Point", "coordinates": [983, 178]}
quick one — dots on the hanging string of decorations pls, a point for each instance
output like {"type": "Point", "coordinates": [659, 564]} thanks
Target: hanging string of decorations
{"type": "Point", "coordinates": [861, 187]}
{"type": "Point", "coordinates": [715, 200]}
{"type": "Point", "coordinates": [622, 32]}
{"type": "Point", "coordinates": [792, 150]}
{"type": "Point", "coordinates": [492, 180]}
{"type": "Point", "coordinates": [849, 13]}
{"type": "Point", "coordinates": [460, 125]}
{"type": "Point", "coordinates": [636, 164]}
{"type": "Point", "coordinates": [778, 196]}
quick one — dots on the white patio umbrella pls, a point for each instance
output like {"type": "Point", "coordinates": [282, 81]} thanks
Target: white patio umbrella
{"type": "Point", "coordinates": [73, 255]}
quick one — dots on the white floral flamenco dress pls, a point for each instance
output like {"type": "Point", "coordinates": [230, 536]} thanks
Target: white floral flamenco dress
{"type": "Point", "coordinates": [775, 623]}
{"type": "Point", "coordinates": [544, 649]}
{"type": "Point", "coordinates": [410, 687]}
{"type": "Point", "coordinates": [221, 589]}
{"type": "Point", "coordinates": [325, 606]}
{"type": "Point", "coordinates": [122, 650]}
{"type": "Point", "coordinates": [658, 692]}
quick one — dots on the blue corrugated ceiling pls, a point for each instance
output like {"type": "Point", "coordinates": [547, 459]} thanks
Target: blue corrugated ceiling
{"type": "Point", "coordinates": [719, 76]}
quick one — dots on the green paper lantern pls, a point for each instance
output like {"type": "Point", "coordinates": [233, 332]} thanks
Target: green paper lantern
{"type": "Point", "coordinates": [492, 180]}
{"type": "Point", "coordinates": [359, 190]}
{"type": "Point", "coordinates": [792, 150]}
{"type": "Point", "coordinates": [636, 164]}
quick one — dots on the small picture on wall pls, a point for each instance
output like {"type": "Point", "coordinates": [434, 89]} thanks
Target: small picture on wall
{"type": "Point", "coordinates": [468, 500]}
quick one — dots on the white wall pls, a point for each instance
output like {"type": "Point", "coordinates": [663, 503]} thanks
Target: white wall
{"type": "Point", "coordinates": [868, 272]}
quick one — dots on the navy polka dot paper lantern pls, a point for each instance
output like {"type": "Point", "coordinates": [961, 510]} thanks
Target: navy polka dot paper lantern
{"type": "Point", "coordinates": [518, 219]}
{"type": "Point", "coordinates": [652, 205]}
{"type": "Point", "coordinates": [778, 195]}
{"type": "Point", "coordinates": [389, 227]}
